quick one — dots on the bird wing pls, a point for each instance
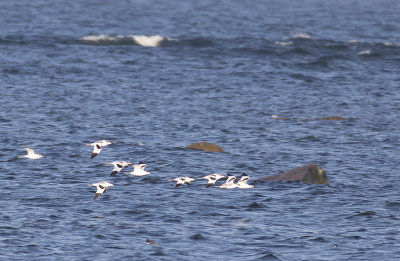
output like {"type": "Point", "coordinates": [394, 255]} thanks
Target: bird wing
{"type": "Point", "coordinates": [243, 180]}
{"type": "Point", "coordinates": [230, 179]}
{"type": "Point", "coordinates": [96, 150]}
{"type": "Point", "coordinates": [100, 190]}
{"type": "Point", "coordinates": [28, 150]}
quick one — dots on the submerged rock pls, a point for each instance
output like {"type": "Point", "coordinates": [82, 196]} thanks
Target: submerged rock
{"type": "Point", "coordinates": [310, 174]}
{"type": "Point", "coordinates": [205, 146]}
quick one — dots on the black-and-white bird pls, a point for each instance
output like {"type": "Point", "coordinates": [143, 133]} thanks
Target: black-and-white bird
{"type": "Point", "coordinates": [101, 187]}
{"type": "Point", "coordinates": [31, 154]}
{"type": "Point", "coordinates": [182, 180]}
{"type": "Point", "coordinates": [97, 146]}
{"type": "Point", "coordinates": [118, 165]}
{"type": "Point", "coordinates": [189, 180]}
{"type": "Point", "coordinates": [242, 182]}
{"type": "Point", "coordinates": [229, 184]}
{"type": "Point", "coordinates": [138, 169]}
{"type": "Point", "coordinates": [212, 178]}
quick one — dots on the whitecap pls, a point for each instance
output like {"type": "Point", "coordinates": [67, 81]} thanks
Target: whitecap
{"type": "Point", "coordinates": [351, 42]}
{"type": "Point", "coordinates": [365, 52]}
{"type": "Point", "coordinates": [142, 40]}
{"type": "Point", "coordinates": [390, 44]}
{"type": "Point", "coordinates": [98, 38]}
{"type": "Point", "coordinates": [148, 41]}
{"type": "Point", "coordinates": [301, 36]}
{"type": "Point", "coordinates": [284, 43]}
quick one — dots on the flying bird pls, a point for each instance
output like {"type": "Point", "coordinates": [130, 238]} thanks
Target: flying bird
{"type": "Point", "coordinates": [242, 182]}
{"type": "Point", "coordinates": [212, 178]}
{"type": "Point", "coordinates": [101, 187]}
{"type": "Point", "coordinates": [31, 154]}
{"type": "Point", "coordinates": [182, 180]}
{"type": "Point", "coordinates": [97, 146]}
{"type": "Point", "coordinates": [229, 184]}
{"type": "Point", "coordinates": [118, 165]}
{"type": "Point", "coordinates": [138, 169]}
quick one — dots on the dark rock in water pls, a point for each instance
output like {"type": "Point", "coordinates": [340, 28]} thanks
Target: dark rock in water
{"type": "Point", "coordinates": [310, 174]}
{"type": "Point", "coordinates": [205, 146]}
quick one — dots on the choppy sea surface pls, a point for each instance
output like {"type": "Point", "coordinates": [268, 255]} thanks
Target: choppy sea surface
{"type": "Point", "coordinates": [155, 76]}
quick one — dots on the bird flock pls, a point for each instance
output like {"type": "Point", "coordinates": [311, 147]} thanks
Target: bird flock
{"type": "Point", "coordinates": [139, 170]}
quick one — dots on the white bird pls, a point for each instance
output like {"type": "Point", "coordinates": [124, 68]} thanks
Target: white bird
{"type": "Point", "coordinates": [212, 178]}
{"type": "Point", "coordinates": [138, 169]}
{"type": "Point", "coordinates": [118, 165]}
{"type": "Point", "coordinates": [179, 181]}
{"type": "Point", "coordinates": [97, 146]}
{"type": "Point", "coordinates": [182, 180]}
{"type": "Point", "coordinates": [101, 187]}
{"type": "Point", "coordinates": [31, 154]}
{"type": "Point", "coordinates": [242, 183]}
{"type": "Point", "coordinates": [229, 184]}
{"type": "Point", "coordinates": [188, 180]}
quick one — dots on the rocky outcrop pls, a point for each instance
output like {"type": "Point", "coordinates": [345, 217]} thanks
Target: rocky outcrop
{"type": "Point", "coordinates": [310, 174]}
{"type": "Point", "coordinates": [205, 146]}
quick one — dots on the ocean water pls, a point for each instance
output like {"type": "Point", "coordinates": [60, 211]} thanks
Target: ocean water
{"type": "Point", "coordinates": [155, 76]}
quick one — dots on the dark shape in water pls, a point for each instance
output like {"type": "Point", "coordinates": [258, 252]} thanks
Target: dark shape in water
{"type": "Point", "coordinates": [309, 174]}
{"type": "Point", "coordinates": [368, 213]}
{"type": "Point", "coordinates": [197, 237]}
{"type": "Point", "coordinates": [255, 205]}
{"type": "Point", "coordinates": [149, 242]}
{"type": "Point", "coordinates": [205, 146]}
{"type": "Point", "coordinates": [332, 118]}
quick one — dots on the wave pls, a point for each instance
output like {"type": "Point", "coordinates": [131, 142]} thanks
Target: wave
{"type": "Point", "coordinates": [299, 44]}
{"type": "Point", "coordinates": [142, 40]}
{"type": "Point", "coordinates": [284, 43]}
{"type": "Point", "coordinates": [301, 36]}
{"type": "Point", "coordinates": [351, 42]}
{"type": "Point", "coordinates": [365, 52]}
{"type": "Point", "coordinates": [391, 44]}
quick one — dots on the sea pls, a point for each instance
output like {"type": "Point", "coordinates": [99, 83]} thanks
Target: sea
{"type": "Point", "coordinates": [253, 77]}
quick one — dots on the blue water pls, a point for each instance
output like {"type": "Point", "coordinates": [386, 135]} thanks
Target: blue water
{"type": "Point", "coordinates": [74, 72]}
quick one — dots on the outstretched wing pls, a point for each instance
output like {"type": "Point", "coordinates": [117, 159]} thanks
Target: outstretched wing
{"type": "Point", "coordinates": [100, 190]}
{"type": "Point", "coordinates": [96, 150]}
{"type": "Point", "coordinates": [28, 150]}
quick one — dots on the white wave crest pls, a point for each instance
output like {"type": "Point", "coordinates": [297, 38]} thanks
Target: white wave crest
{"type": "Point", "coordinates": [148, 41]}
{"type": "Point", "coordinates": [142, 40]}
{"type": "Point", "coordinates": [301, 36]}
{"type": "Point", "coordinates": [284, 43]}
{"type": "Point", "coordinates": [390, 44]}
{"type": "Point", "coordinates": [365, 52]}
{"type": "Point", "coordinates": [351, 42]}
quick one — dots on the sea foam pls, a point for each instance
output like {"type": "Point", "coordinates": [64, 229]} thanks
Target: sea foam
{"type": "Point", "coordinates": [142, 40]}
{"type": "Point", "coordinates": [301, 36]}
{"type": "Point", "coordinates": [284, 43]}
{"type": "Point", "coordinates": [365, 52]}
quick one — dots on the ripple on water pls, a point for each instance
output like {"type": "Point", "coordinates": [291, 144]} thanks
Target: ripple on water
{"type": "Point", "coordinates": [268, 256]}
